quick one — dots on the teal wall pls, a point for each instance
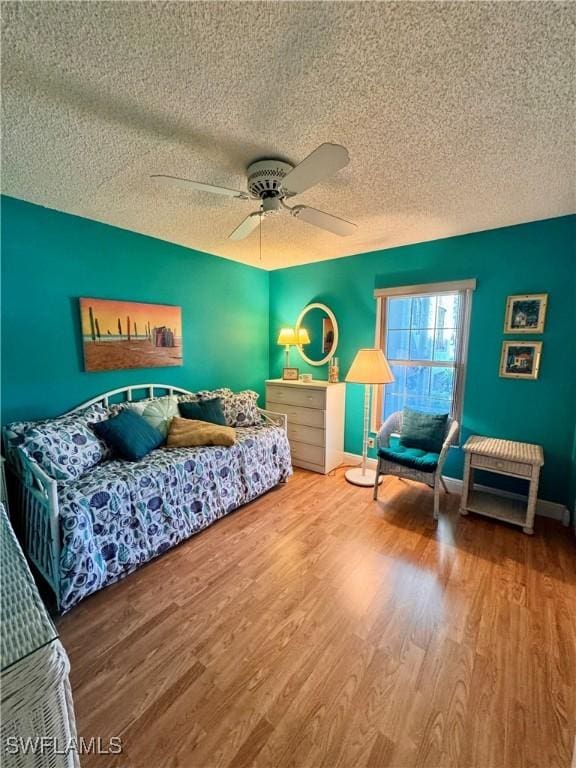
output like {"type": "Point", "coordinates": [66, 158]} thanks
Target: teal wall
{"type": "Point", "coordinates": [572, 492]}
{"type": "Point", "coordinates": [232, 313]}
{"type": "Point", "coordinates": [531, 258]}
{"type": "Point", "coordinates": [49, 259]}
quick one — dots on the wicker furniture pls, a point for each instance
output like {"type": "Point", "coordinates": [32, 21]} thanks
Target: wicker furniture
{"type": "Point", "coordinates": [35, 700]}
{"type": "Point", "coordinates": [393, 426]}
{"type": "Point", "coordinates": [3, 488]}
{"type": "Point", "coordinates": [504, 457]}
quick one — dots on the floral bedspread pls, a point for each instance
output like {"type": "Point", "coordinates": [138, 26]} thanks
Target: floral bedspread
{"type": "Point", "coordinates": [122, 514]}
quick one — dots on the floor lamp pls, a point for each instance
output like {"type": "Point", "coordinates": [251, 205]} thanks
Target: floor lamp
{"type": "Point", "coordinates": [369, 367]}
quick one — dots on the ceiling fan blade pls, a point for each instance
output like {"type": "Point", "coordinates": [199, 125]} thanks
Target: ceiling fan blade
{"type": "Point", "coordinates": [320, 164]}
{"type": "Point", "coordinates": [200, 186]}
{"type": "Point", "coordinates": [246, 227]}
{"type": "Point", "coordinates": [324, 220]}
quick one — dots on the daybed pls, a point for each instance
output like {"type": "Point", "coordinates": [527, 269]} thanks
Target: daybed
{"type": "Point", "coordinates": [85, 533]}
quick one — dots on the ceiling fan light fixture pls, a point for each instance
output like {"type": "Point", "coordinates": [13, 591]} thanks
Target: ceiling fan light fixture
{"type": "Point", "coordinates": [271, 205]}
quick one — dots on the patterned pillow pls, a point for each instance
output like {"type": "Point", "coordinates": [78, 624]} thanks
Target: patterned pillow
{"type": "Point", "coordinates": [67, 447]}
{"type": "Point", "coordinates": [240, 409]}
{"type": "Point", "coordinates": [188, 398]}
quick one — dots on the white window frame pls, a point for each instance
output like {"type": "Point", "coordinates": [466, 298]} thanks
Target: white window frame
{"type": "Point", "coordinates": [463, 287]}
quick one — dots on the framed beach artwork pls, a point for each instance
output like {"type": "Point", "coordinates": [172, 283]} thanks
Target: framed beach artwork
{"type": "Point", "coordinates": [128, 334]}
{"type": "Point", "coordinates": [526, 313]}
{"type": "Point", "coordinates": [520, 360]}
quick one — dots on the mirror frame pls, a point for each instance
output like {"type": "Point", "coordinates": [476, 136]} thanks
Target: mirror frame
{"type": "Point", "coordinates": [332, 317]}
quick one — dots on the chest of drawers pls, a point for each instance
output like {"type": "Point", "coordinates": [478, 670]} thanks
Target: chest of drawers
{"type": "Point", "coordinates": [315, 411]}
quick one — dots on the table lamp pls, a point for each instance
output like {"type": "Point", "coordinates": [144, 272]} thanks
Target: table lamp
{"type": "Point", "coordinates": [289, 338]}
{"type": "Point", "coordinates": [369, 367]}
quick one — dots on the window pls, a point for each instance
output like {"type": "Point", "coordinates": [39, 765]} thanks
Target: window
{"type": "Point", "coordinates": [423, 331]}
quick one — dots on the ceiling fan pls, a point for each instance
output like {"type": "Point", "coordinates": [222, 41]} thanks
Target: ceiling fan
{"type": "Point", "coordinates": [273, 181]}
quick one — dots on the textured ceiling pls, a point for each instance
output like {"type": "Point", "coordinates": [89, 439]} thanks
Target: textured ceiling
{"type": "Point", "coordinates": [458, 117]}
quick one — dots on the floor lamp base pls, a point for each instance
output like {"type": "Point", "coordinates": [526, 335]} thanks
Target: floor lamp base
{"type": "Point", "coordinates": [365, 479]}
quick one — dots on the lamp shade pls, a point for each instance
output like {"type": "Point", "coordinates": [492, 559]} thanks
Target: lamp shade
{"type": "Point", "coordinates": [287, 336]}
{"type": "Point", "coordinates": [369, 367]}
{"type": "Point", "coordinates": [303, 337]}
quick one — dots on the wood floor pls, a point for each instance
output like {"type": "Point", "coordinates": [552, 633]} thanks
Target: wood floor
{"type": "Point", "coordinates": [317, 628]}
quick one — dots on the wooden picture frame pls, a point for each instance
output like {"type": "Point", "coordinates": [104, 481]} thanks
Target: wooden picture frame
{"type": "Point", "coordinates": [520, 359]}
{"type": "Point", "coordinates": [290, 374]}
{"type": "Point", "coordinates": [119, 334]}
{"type": "Point", "coordinates": [526, 313]}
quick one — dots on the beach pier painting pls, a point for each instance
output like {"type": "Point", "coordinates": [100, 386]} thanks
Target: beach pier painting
{"type": "Point", "coordinates": [128, 334]}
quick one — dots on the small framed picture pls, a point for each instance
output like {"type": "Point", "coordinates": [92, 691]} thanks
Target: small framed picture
{"type": "Point", "coordinates": [526, 313]}
{"type": "Point", "coordinates": [520, 360]}
{"type": "Point", "coordinates": [290, 374]}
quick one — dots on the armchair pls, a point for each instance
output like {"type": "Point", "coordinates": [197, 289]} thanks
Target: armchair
{"type": "Point", "coordinates": [393, 425]}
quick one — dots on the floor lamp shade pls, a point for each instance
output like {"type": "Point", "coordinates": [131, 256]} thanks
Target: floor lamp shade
{"type": "Point", "coordinates": [368, 367]}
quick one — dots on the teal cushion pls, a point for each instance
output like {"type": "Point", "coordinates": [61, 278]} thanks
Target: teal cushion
{"type": "Point", "coordinates": [129, 435]}
{"type": "Point", "coordinates": [423, 430]}
{"type": "Point", "coordinates": [415, 458]}
{"type": "Point", "coordinates": [206, 410]}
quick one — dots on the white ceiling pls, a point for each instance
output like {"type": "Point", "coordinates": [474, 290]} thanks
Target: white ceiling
{"type": "Point", "coordinates": [458, 117]}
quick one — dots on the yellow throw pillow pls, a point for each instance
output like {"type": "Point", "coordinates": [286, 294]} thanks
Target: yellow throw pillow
{"type": "Point", "coordinates": [188, 433]}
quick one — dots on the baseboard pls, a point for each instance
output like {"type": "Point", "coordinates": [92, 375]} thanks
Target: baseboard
{"type": "Point", "coordinates": [544, 508]}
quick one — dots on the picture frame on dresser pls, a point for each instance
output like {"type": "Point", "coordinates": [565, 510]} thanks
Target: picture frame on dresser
{"type": "Point", "coordinates": [290, 374]}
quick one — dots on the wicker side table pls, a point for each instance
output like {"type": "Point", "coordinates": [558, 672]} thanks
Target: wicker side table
{"type": "Point", "coordinates": [35, 695]}
{"type": "Point", "coordinates": [504, 457]}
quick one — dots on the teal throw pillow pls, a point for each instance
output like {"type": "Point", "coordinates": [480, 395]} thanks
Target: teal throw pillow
{"type": "Point", "coordinates": [128, 435]}
{"type": "Point", "coordinates": [423, 430]}
{"type": "Point", "coordinates": [205, 410]}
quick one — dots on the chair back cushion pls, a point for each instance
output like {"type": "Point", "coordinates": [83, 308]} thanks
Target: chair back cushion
{"type": "Point", "coordinates": [423, 430]}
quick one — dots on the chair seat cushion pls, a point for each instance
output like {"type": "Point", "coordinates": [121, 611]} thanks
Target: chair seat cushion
{"type": "Point", "coordinates": [415, 458]}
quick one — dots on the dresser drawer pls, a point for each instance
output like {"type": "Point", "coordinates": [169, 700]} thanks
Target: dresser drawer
{"type": "Point", "coordinates": [309, 417]}
{"type": "Point", "coordinates": [501, 465]}
{"type": "Point", "coordinates": [310, 398]}
{"type": "Point", "coordinates": [313, 454]}
{"type": "Point", "coordinates": [302, 434]}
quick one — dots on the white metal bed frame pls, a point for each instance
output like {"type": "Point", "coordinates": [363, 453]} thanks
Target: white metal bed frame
{"type": "Point", "coordinates": [38, 492]}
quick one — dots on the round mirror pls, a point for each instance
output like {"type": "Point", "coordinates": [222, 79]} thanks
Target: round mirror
{"type": "Point", "coordinates": [320, 324]}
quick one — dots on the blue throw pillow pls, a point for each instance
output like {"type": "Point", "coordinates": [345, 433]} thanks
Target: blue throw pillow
{"type": "Point", "coordinates": [423, 430]}
{"type": "Point", "coordinates": [204, 410]}
{"type": "Point", "coordinates": [128, 435]}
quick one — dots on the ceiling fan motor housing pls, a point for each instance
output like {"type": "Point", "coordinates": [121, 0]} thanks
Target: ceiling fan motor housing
{"type": "Point", "coordinates": [265, 178]}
